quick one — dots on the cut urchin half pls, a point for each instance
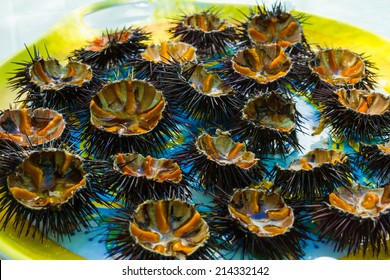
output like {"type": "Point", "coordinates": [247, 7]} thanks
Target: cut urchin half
{"type": "Point", "coordinates": [219, 161]}
{"type": "Point", "coordinates": [206, 31]}
{"type": "Point", "coordinates": [259, 223]}
{"type": "Point", "coordinates": [48, 192]}
{"type": "Point", "coordinates": [313, 176]}
{"type": "Point", "coordinates": [28, 127]}
{"type": "Point", "coordinates": [263, 26]}
{"type": "Point", "coordinates": [259, 68]}
{"type": "Point", "coordinates": [201, 95]}
{"type": "Point", "coordinates": [127, 116]}
{"type": "Point", "coordinates": [133, 178]}
{"type": "Point", "coordinates": [162, 230]}
{"type": "Point", "coordinates": [268, 124]}
{"type": "Point", "coordinates": [113, 49]}
{"type": "Point", "coordinates": [356, 219]}
{"type": "Point", "coordinates": [357, 115]}
{"type": "Point", "coordinates": [375, 161]}
{"type": "Point", "coordinates": [47, 83]}
{"type": "Point", "coordinates": [157, 59]}
{"type": "Point", "coordinates": [339, 68]}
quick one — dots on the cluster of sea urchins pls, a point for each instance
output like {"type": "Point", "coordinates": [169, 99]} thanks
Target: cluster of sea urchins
{"type": "Point", "coordinates": [140, 114]}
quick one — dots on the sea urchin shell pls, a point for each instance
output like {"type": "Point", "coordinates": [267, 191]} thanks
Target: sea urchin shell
{"type": "Point", "coordinates": [161, 229]}
{"type": "Point", "coordinates": [127, 116]}
{"type": "Point", "coordinates": [260, 223]}
{"type": "Point", "coordinates": [314, 175]}
{"type": "Point", "coordinates": [354, 218]}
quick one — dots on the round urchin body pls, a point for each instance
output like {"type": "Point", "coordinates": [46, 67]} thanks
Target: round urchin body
{"type": "Point", "coordinates": [357, 115]}
{"type": "Point", "coordinates": [313, 176]}
{"type": "Point", "coordinates": [28, 127]}
{"type": "Point", "coordinates": [127, 116]}
{"type": "Point", "coordinates": [219, 161]}
{"type": "Point", "coordinates": [113, 48]}
{"type": "Point", "coordinates": [259, 68]}
{"type": "Point", "coordinates": [206, 31]}
{"type": "Point", "coordinates": [133, 178]}
{"type": "Point", "coordinates": [51, 189]}
{"type": "Point", "coordinates": [333, 68]}
{"type": "Point", "coordinates": [267, 26]}
{"type": "Point", "coordinates": [46, 83]}
{"type": "Point", "coordinates": [268, 124]}
{"type": "Point", "coordinates": [158, 59]}
{"type": "Point", "coordinates": [259, 223]}
{"type": "Point", "coordinates": [162, 230]}
{"type": "Point", "coordinates": [198, 94]}
{"type": "Point", "coordinates": [354, 219]}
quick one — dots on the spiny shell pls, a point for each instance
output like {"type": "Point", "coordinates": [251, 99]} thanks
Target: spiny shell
{"type": "Point", "coordinates": [338, 66]}
{"type": "Point", "coordinates": [157, 169]}
{"type": "Point", "coordinates": [223, 150]}
{"type": "Point", "coordinates": [270, 111]}
{"type": "Point", "coordinates": [317, 158]}
{"type": "Point", "coordinates": [265, 214]}
{"type": "Point", "coordinates": [25, 126]}
{"type": "Point", "coordinates": [168, 51]}
{"type": "Point", "coordinates": [49, 74]}
{"type": "Point", "coordinates": [209, 84]}
{"type": "Point", "coordinates": [169, 227]}
{"type": "Point", "coordinates": [127, 108]}
{"type": "Point", "coordinates": [264, 64]}
{"type": "Point", "coordinates": [284, 30]}
{"type": "Point", "coordinates": [47, 178]}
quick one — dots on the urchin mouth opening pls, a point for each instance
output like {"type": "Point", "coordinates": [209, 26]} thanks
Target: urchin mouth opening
{"type": "Point", "coordinates": [167, 52]}
{"type": "Point", "coordinates": [362, 202]}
